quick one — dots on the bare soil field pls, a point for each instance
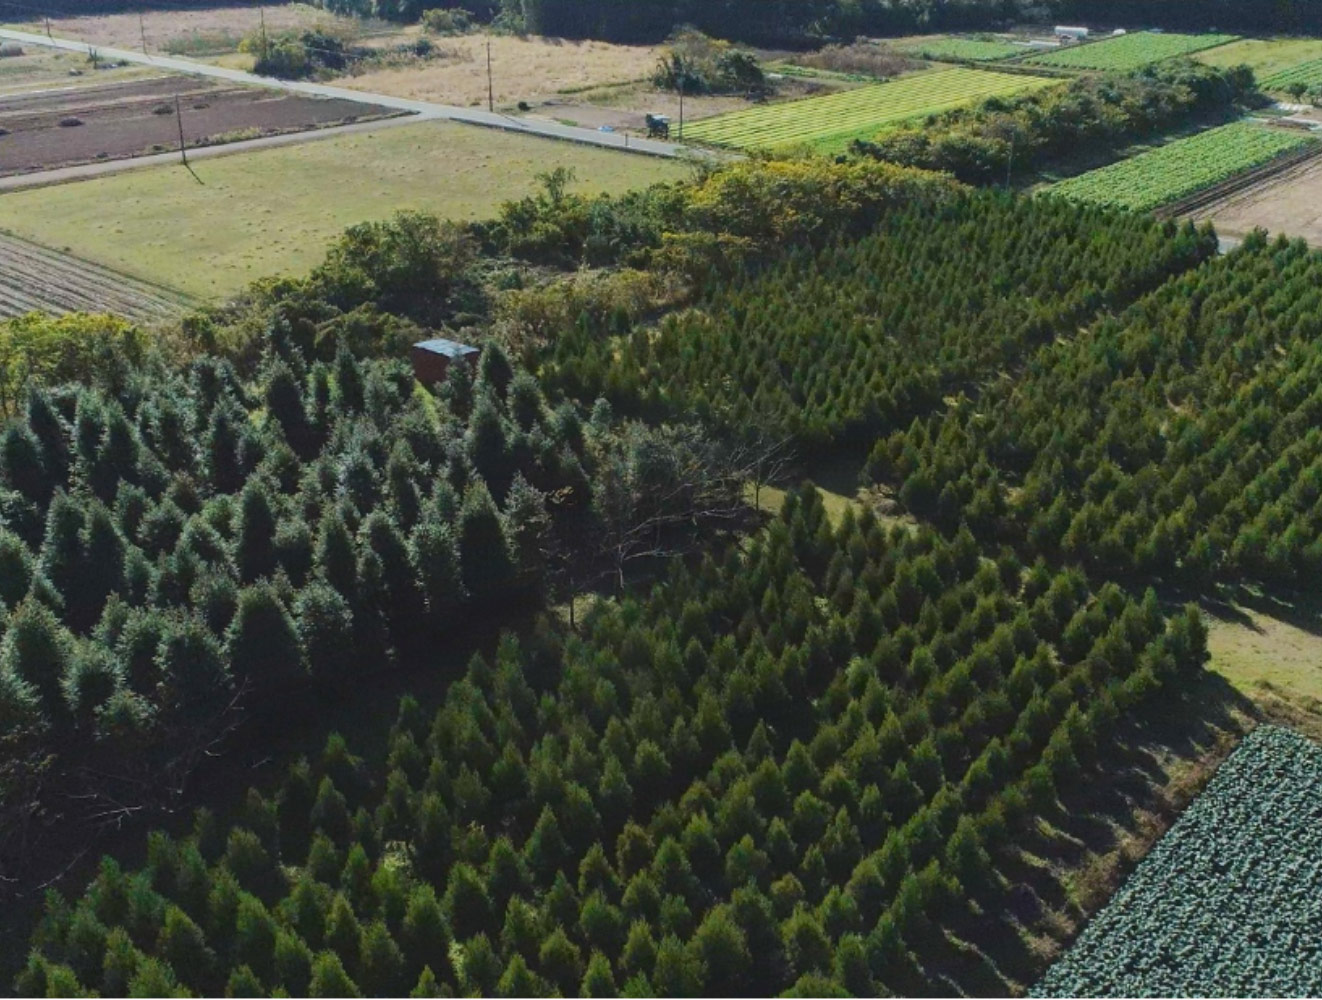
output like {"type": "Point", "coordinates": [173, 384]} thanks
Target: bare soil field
{"type": "Point", "coordinates": [130, 119]}
{"type": "Point", "coordinates": [523, 69]}
{"type": "Point", "coordinates": [1289, 202]}
{"type": "Point", "coordinates": [35, 277]}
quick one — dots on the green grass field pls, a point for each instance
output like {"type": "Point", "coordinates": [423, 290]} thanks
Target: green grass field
{"type": "Point", "coordinates": [1266, 57]}
{"type": "Point", "coordinates": [1183, 167]}
{"type": "Point", "coordinates": [1132, 51]}
{"type": "Point", "coordinates": [829, 123]}
{"type": "Point", "coordinates": [952, 47]}
{"type": "Point", "coordinates": [1256, 650]}
{"type": "Point", "coordinates": [256, 214]}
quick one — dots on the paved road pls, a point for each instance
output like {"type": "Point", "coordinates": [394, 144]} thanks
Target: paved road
{"type": "Point", "coordinates": [550, 130]}
{"type": "Point", "coordinates": [83, 171]}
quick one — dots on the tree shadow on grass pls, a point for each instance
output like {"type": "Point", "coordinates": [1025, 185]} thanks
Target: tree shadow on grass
{"type": "Point", "coordinates": [1059, 873]}
{"type": "Point", "coordinates": [995, 955]}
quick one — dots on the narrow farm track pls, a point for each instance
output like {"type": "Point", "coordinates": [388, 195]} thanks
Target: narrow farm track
{"type": "Point", "coordinates": [544, 129]}
{"type": "Point", "coordinates": [36, 277]}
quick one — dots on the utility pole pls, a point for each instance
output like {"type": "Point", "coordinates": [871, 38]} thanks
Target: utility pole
{"type": "Point", "coordinates": [142, 30]}
{"type": "Point", "coordinates": [491, 93]}
{"type": "Point", "coordinates": [261, 12]}
{"type": "Point", "coordinates": [179, 117]}
{"type": "Point", "coordinates": [682, 71]}
{"type": "Point", "coordinates": [48, 34]}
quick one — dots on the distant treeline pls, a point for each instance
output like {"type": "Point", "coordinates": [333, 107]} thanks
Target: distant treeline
{"type": "Point", "coordinates": [797, 21]}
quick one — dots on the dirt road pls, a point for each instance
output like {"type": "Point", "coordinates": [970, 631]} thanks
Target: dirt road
{"type": "Point", "coordinates": [549, 130]}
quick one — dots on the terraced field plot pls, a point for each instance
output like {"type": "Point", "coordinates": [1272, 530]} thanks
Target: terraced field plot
{"type": "Point", "coordinates": [1307, 73]}
{"type": "Point", "coordinates": [1183, 167]}
{"type": "Point", "coordinates": [1132, 51]}
{"type": "Point", "coordinates": [976, 49]}
{"type": "Point", "coordinates": [1228, 903]}
{"type": "Point", "coordinates": [1269, 58]}
{"type": "Point", "coordinates": [33, 277]}
{"type": "Point", "coordinates": [830, 123]}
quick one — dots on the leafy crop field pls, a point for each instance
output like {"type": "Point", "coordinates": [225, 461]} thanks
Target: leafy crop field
{"type": "Point", "coordinates": [829, 123]}
{"type": "Point", "coordinates": [1183, 167]}
{"type": "Point", "coordinates": [1227, 904]}
{"type": "Point", "coordinates": [944, 47]}
{"type": "Point", "coordinates": [1130, 51]}
{"type": "Point", "coordinates": [1308, 73]}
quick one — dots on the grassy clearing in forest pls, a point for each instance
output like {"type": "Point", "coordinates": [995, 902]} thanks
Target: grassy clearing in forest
{"type": "Point", "coordinates": [257, 214]}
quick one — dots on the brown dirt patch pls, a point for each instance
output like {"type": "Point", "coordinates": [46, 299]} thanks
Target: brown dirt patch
{"type": "Point", "coordinates": [1289, 202]}
{"type": "Point", "coordinates": [124, 120]}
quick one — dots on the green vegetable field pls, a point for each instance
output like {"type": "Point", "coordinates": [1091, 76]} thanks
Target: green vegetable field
{"type": "Point", "coordinates": [829, 123]}
{"type": "Point", "coordinates": [1308, 73]}
{"type": "Point", "coordinates": [1181, 168]}
{"type": "Point", "coordinates": [1131, 51]}
{"type": "Point", "coordinates": [1228, 903]}
{"type": "Point", "coordinates": [977, 49]}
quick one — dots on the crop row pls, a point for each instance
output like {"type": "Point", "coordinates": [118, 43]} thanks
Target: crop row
{"type": "Point", "coordinates": [1308, 73]}
{"type": "Point", "coordinates": [35, 278]}
{"type": "Point", "coordinates": [974, 49]}
{"type": "Point", "coordinates": [1126, 52]}
{"type": "Point", "coordinates": [830, 122]}
{"type": "Point", "coordinates": [1181, 168]}
{"type": "Point", "coordinates": [1227, 902]}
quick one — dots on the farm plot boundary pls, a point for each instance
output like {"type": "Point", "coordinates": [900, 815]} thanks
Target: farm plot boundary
{"type": "Point", "coordinates": [34, 277]}
{"type": "Point", "coordinates": [1184, 168]}
{"type": "Point", "coordinates": [1225, 902]}
{"type": "Point", "coordinates": [1132, 51]}
{"type": "Point", "coordinates": [1303, 158]}
{"type": "Point", "coordinates": [829, 123]}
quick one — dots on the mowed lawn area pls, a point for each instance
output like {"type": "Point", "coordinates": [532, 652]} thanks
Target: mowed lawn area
{"type": "Point", "coordinates": [256, 214]}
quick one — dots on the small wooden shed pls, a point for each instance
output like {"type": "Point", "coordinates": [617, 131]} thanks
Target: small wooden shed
{"type": "Point", "coordinates": [432, 358]}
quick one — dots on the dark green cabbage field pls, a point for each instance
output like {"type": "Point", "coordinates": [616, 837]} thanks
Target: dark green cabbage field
{"type": "Point", "coordinates": [1230, 901]}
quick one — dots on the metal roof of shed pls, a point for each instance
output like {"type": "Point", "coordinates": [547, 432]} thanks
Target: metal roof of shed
{"type": "Point", "coordinates": [450, 348]}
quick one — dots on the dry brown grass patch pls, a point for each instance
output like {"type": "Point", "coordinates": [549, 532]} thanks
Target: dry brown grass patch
{"type": "Point", "coordinates": [523, 69]}
{"type": "Point", "coordinates": [165, 26]}
{"type": "Point", "coordinates": [866, 58]}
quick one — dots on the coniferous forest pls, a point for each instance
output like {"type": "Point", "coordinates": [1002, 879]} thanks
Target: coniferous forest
{"type": "Point", "coordinates": [720, 747]}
